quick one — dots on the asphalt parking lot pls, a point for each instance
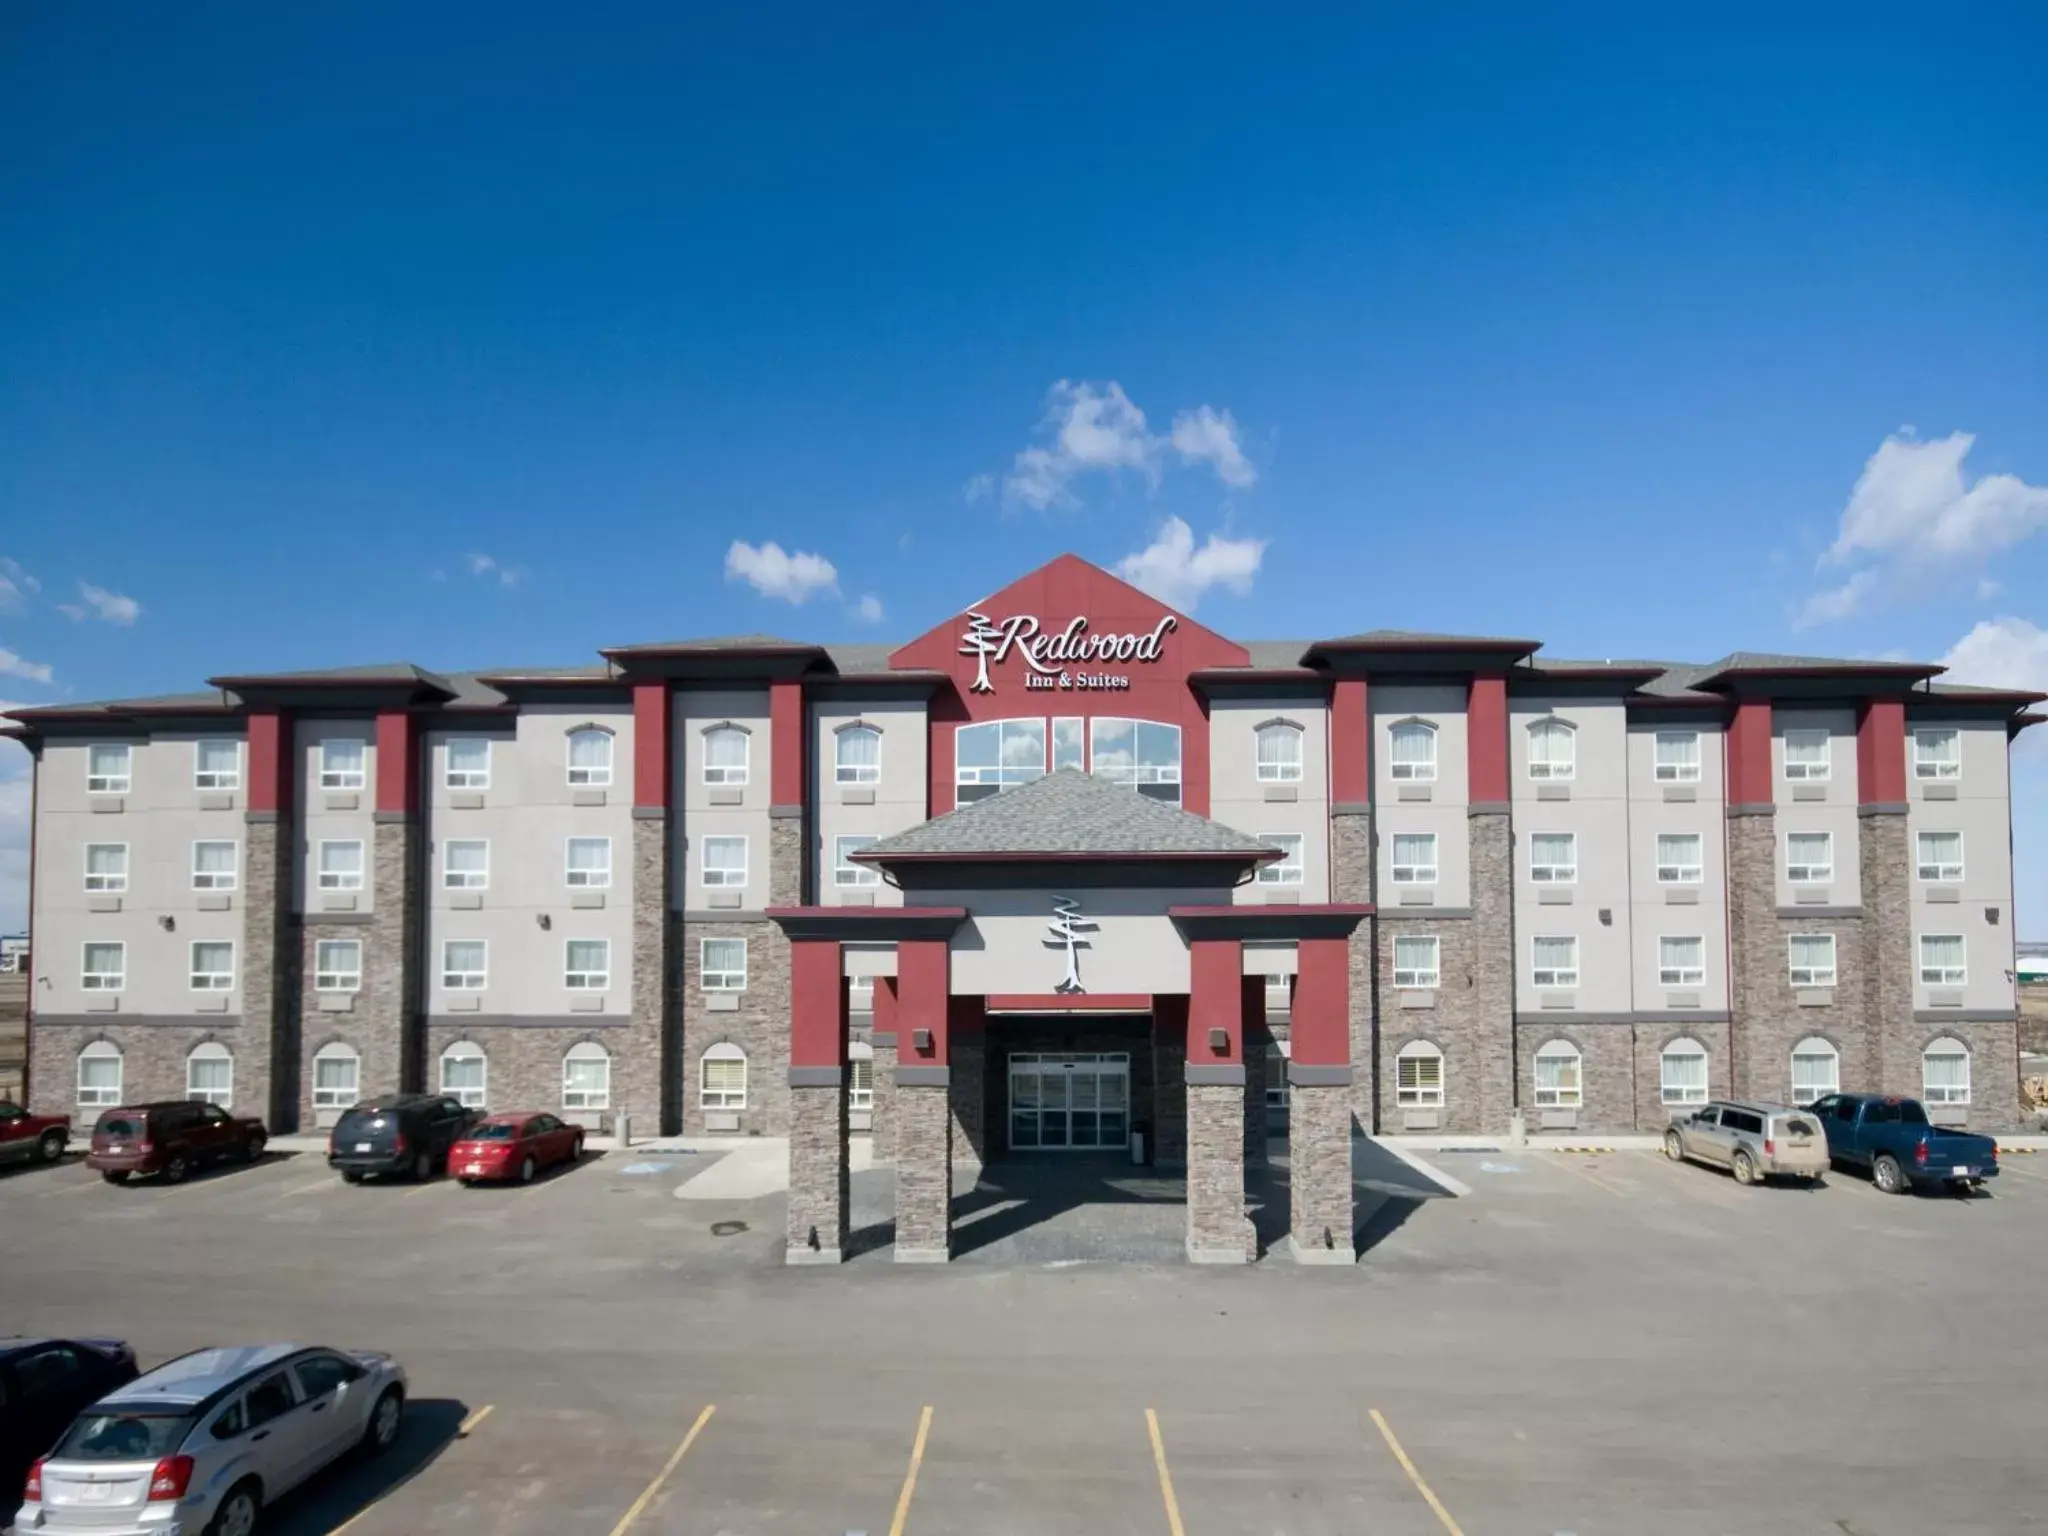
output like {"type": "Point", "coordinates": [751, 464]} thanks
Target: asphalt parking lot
{"type": "Point", "coordinates": [1603, 1345]}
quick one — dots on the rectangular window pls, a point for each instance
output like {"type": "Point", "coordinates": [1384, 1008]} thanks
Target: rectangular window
{"type": "Point", "coordinates": [1941, 960]}
{"type": "Point", "coordinates": [1412, 752]}
{"type": "Point", "coordinates": [213, 966]}
{"type": "Point", "coordinates": [860, 1083]}
{"type": "Point", "coordinates": [1678, 757]}
{"type": "Point", "coordinates": [1683, 1077]}
{"type": "Point", "coordinates": [1414, 858]}
{"type": "Point", "coordinates": [1553, 750]}
{"type": "Point", "coordinates": [466, 864]}
{"type": "Point", "coordinates": [1287, 869]}
{"type": "Point", "coordinates": [1806, 755]}
{"type": "Point", "coordinates": [465, 965]}
{"type": "Point", "coordinates": [1945, 1073]}
{"type": "Point", "coordinates": [587, 966]}
{"type": "Point", "coordinates": [589, 864]}
{"type": "Point", "coordinates": [1938, 754]}
{"type": "Point", "coordinates": [210, 1079]}
{"type": "Point", "coordinates": [1068, 742]}
{"type": "Point", "coordinates": [724, 1084]}
{"type": "Point", "coordinates": [1940, 856]}
{"type": "Point", "coordinates": [469, 762]}
{"type": "Point", "coordinates": [338, 965]}
{"type": "Point", "coordinates": [1415, 962]}
{"type": "Point", "coordinates": [1809, 857]}
{"type": "Point", "coordinates": [106, 867]}
{"type": "Point", "coordinates": [1554, 857]}
{"type": "Point", "coordinates": [590, 759]}
{"type": "Point", "coordinates": [107, 768]}
{"type": "Point", "coordinates": [997, 755]}
{"type": "Point", "coordinates": [725, 861]}
{"type": "Point", "coordinates": [1681, 962]}
{"type": "Point", "coordinates": [105, 967]}
{"type": "Point", "coordinates": [722, 964]}
{"type": "Point", "coordinates": [586, 1081]}
{"type": "Point", "coordinates": [1558, 1084]}
{"type": "Point", "coordinates": [1279, 754]}
{"type": "Point", "coordinates": [847, 873]}
{"type": "Point", "coordinates": [341, 763]}
{"type": "Point", "coordinates": [1141, 753]}
{"type": "Point", "coordinates": [216, 763]}
{"type": "Point", "coordinates": [726, 750]}
{"type": "Point", "coordinates": [1812, 957]}
{"type": "Point", "coordinates": [334, 1080]}
{"type": "Point", "coordinates": [857, 755]}
{"type": "Point", "coordinates": [1419, 1079]}
{"type": "Point", "coordinates": [1556, 960]}
{"type": "Point", "coordinates": [341, 866]}
{"type": "Point", "coordinates": [213, 866]}
{"type": "Point", "coordinates": [1679, 858]}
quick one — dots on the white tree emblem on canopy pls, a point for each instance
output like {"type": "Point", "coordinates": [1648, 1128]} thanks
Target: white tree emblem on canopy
{"type": "Point", "coordinates": [1068, 929]}
{"type": "Point", "coordinates": [981, 641]}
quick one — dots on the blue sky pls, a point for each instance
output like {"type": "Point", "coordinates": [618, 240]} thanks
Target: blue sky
{"type": "Point", "coordinates": [1458, 318]}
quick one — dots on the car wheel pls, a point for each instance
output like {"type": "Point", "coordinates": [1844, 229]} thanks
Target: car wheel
{"type": "Point", "coordinates": [1886, 1173]}
{"type": "Point", "coordinates": [178, 1169]}
{"type": "Point", "coordinates": [51, 1147]}
{"type": "Point", "coordinates": [526, 1170]}
{"type": "Point", "coordinates": [252, 1149]}
{"type": "Point", "coordinates": [1674, 1148]}
{"type": "Point", "coordinates": [382, 1431]}
{"type": "Point", "coordinates": [237, 1513]}
{"type": "Point", "coordinates": [1745, 1168]}
{"type": "Point", "coordinates": [423, 1167]}
{"type": "Point", "coordinates": [115, 1176]}
{"type": "Point", "coordinates": [576, 1151]}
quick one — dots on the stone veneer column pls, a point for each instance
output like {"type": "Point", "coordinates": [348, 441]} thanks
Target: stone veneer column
{"type": "Point", "coordinates": [882, 1040]}
{"type": "Point", "coordinates": [1322, 1222]}
{"type": "Point", "coordinates": [820, 1126]}
{"type": "Point", "coordinates": [1219, 1231]}
{"type": "Point", "coordinates": [1889, 964]}
{"type": "Point", "coordinates": [1492, 851]}
{"type": "Point", "coordinates": [388, 1012]}
{"type": "Point", "coordinates": [1352, 878]}
{"type": "Point", "coordinates": [1757, 974]}
{"type": "Point", "coordinates": [644, 1077]}
{"type": "Point", "coordinates": [270, 973]}
{"type": "Point", "coordinates": [924, 1109]}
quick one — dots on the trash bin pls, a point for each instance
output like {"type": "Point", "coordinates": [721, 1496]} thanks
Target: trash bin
{"type": "Point", "coordinates": [622, 1130]}
{"type": "Point", "coordinates": [1138, 1147]}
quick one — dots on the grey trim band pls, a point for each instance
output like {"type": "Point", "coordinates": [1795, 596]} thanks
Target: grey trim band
{"type": "Point", "coordinates": [1224, 1074]}
{"type": "Point", "coordinates": [139, 1020]}
{"type": "Point", "coordinates": [1829, 912]}
{"type": "Point", "coordinates": [1958, 1016]}
{"type": "Point", "coordinates": [1487, 808]}
{"type": "Point", "coordinates": [650, 813]}
{"type": "Point", "coordinates": [1565, 1018]}
{"type": "Point", "coordinates": [1301, 1074]}
{"type": "Point", "coordinates": [391, 818]}
{"type": "Point", "coordinates": [817, 1077]}
{"type": "Point", "coordinates": [1351, 808]}
{"type": "Point", "coordinates": [528, 1021]}
{"type": "Point", "coordinates": [923, 1077]}
{"type": "Point", "coordinates": [1883, 808]}
{"type": "Point", "coordinates": [1686, 1016]}
{"type": "Point", "coordinates": [1430, 914]}
{"type": "Point", "coordinates": [785, 812]}
{"type": "Point", "coordinates": [1753, 808]}
{"type": "Point", "coordinates": [262, 818]}
{"type": "Point", "coordinates": [723, 915]}
{"type": "Point", "coordinates": [882, 1037]}
{"type": "Point", "coordinates": [336, 919]}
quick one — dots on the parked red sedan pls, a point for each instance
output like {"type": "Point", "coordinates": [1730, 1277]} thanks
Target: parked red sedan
{"type": "Point", "coordinates": [514, 1146]}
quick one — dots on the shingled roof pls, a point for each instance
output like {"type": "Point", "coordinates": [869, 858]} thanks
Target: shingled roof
{"type": "Point", "coordinates": [1065, 815]}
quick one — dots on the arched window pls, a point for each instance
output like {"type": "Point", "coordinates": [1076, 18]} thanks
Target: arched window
{"type": "Point", "coordinates": [337, 1077]}
{"type": "Point", "coordinates": [723, 1083]}
{"type": "Point", "coordinates": [463, 1073]}
{"type": "Point", "coordinates": [1419, 1076]}
{"type": "Point", "coordinates": [1411, 751]}
{"type": "Point", "coordinates": [586, 1076]}
{"type": "Point", "coordinates": [1558, 1080]}
{"type": "Point", "coordinates": [1145, 754]}
{"type": "Point", "coordinates": [1553, 750]}
{"type": "Point", "coordinates": [996, 755]}
{"type": "Point", "coordinates": [1683, 1072]}
{"type": "Point", "coordinates": [210, 1074]}
{"type": "Point", "coordinates": [1816, 1070]}
{"type": "Point", "coordinates": [1945, 1072]}
{"type": "Point", "coordinates": [860, 1079]}
{"type": "Point", "coordinates": [590, 758]}
{"type": "Point", "coordinates": [1279, 752]}
{"type": "Point", "coordinates": [857, 755]}
{"type": "Point", "coordinates": [99, 1075]}
{"type": "Point", "coordinates": [725, 755]}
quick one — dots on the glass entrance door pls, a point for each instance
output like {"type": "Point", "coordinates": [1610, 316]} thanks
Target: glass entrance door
{"type": "Point", "coordinates": [1070, 1103]}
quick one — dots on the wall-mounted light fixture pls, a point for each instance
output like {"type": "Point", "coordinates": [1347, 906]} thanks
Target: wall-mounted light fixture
{"type": "Point", "coordinates": [544, 920]}
{"type": "Point", "coordinates": [921, 1039]}
{"type": "Point", "coordinates": [1219, 1040]}
{"type": "Point", "coordinates": [168, 923]}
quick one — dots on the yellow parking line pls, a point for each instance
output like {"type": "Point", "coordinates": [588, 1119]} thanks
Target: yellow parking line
{"type": "Point", "coordinates": [1414, 1476]}
{"type": "Point", "coordinates": [462, 1430]}
{"type": "Point", "coordinates": [640, 1504]}
{"type": "Point", "coordinates": [1165, 1478]}
{"type": "Point", "coordinates": [924, 1425]}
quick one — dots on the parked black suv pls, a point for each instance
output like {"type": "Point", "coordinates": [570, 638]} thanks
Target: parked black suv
{"type": "Point", "coordinates": [401, 1133]}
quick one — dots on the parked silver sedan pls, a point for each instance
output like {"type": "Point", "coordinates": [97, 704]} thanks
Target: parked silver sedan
{"type": "Point", "coordinates": [1753, 1141]}
{"type": "Point", "coordinates": [201, 1444]}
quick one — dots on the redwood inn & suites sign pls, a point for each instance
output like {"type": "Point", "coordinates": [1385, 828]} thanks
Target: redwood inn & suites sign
{"type": "Point", "coordinates": [1057, 658]}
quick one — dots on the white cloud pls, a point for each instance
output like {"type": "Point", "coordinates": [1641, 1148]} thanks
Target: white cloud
{"type": "Point", "coordinates": [1177, 573]}
{"type": "Point", "coordinates": [12, 665]}
{"type": "Point", "coordinates": [796, 578]}
{"type": "Point", "coordinates": [16, 586]}
{"type": "Point", "coordinates": [869, 609]}
{"type": "Point", "coordinates": [486, 568]}
{"type": "Point", "coordinates": [1098, 429]}
{"type": "Point", "coordinates": [2000, 653]}
{"type": "Point", "coordinates": [1838, 602]}
{"type": "Point", "coordinates": [101, 604]}
{"type": "Point", "coordinates": [1207, 435]}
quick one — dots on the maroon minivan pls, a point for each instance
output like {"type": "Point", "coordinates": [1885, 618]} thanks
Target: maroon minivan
{"type": "Point", "coordinates": [170, 1139]}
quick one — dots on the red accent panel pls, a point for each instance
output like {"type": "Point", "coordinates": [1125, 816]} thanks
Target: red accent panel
{"type": "Point", "coordinates": [1216, 1001]}
{"type": "Point", "coordinates": [1071, 1002]}
{"type": "Point", "coordinates": [1881, 753]}
{"type": "Point", "coordinates": [269, 765]}
{"type": "Point", "coordinates": [651, 745]}
{"type": "Point", "coordinates": [817, 1004]}
{"type": "Point", "coordinates": [923, 982]}
{"type": "Point", "coordinates": [885, 1003]}
{"type": "Point", "coordinates": [1749, 754]}
{"type": "Point", "coordinates": [1350, 769]}
{"type": "Point", "coordinates": [1486, 739]}
{"type": "Point", "coordinates": [398, 762]}
{"type": "Point", "coordinates": [786, 743]}
{"type": "Point", "coordinates": [1321, 1030]}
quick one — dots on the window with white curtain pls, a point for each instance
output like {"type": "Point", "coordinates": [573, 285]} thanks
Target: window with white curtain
{"type": "Point", "coordinates": [1279, 748]}
{"type": "Point", "coordinates": [108, 768]}
{"type": "Point", "coordinates": [590, 758]}
{"type": "Point", "coordinates": [1682, 1073]}
{"type": "Point", "coordinates": [338, 965]}
{"type": "Point", "coordinates": [1144, 754]}
{"type": "Point", "coordinates": [847, 873]}
{"type": "Point", "coordinates": [216, 763]}
{"type": "Point", "coordinates": [1553, 750]}
{"type": "Point", "coordinates": [341, 865]}
{"type": "Point", "coordinates": [587, 965]}
{"type": "Point", "coordinates": [860, 1075]}
{"type": "Point", "coordinates": [1939, 855]}
{"type": "Point", "coordinates": [725, 755]}
{"type": "Point", "coordinates": [725, 861]}
{"type": "Point", "coordinates": [213, 965]}
{"type": "Point", "coordinates": [1679, 858]}
{"type": "Point", "coordinates": [722, 1083]}
{"type": "Point", "coordinates": [341, 763]}
{"type": "Point", "coordinates": [1558, 1080]}
{"type": "Point", "coordinates": [1411, 752]}
{"type": "Point", "coordinates": [1945, 1072]}
{"type": "Point", "coordinates": [1287, 869]}
{"type": "Point", "coordinates": [1419, 1076]}
{"type": "Point", "coordinates": [1681, 960]}
{"type": "Point", "coordinates": [106, 867]}
{"type": "Point", "coordinates": [1941, 960]}
{"type": "Point", "coordinates": [997, 755]}
{"type": "Point", "coordinates": [210, 1075]}
{"type": "Point", "coordinates": [469, 762]}
{"type": "Point", "coordinates": [722, 965]}
{"type": "Point", "coordinates": [1816, 1070]}
{"type": "Point", "coordinates": [588, 864]}
{"type": "Point", "coordinates": [213, 866]}
{"type": "Point", "coordinates": [1678, 757]}
{"type": "Point", "coordinates": [1555, 960]}
{"type": "Point", "coordinates": [1414, 858]}
{"type": "Point", "coordinates": [1809, 857]}
{"type": "Point", "coordinates": [465, 1073]}
{"type": "Point", "coordinates": [336, 1073]}
{"type": "Point", "coordinates": [857, 755]}
{"type": "Point", "coordinates": [1416, 963]}
{"type": "Point", "coordinates": [99, 1076]}
{"type": "Point", "coordinates": [466, 864]}
{"type": "Point", "coordinates": [586, 1076]}
{"type": "Point", "coordinates": [465, 965]}
{"type": "Point", "coordinates": [1938, 754]}
{"type": "Point", "coordinates": [1554, 857]}
{"type": "Point", "coordinates": [104, 967]}
{"type": "Point", "coordinates": [1806, 755]}
{"type": "Point", "coordinates": [1812, 958]}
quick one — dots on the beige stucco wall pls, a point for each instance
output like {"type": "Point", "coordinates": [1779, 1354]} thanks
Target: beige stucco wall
{"type": "Point", "coordinates": [1833, 812]}
{"type": "Point", "coordinates": [696, 710]}
{"type": "Point", "coordinates": [1597, 812]}
{"type": "Point", "coordinates": [1239, 800]}
{"type": "Point", "coordinates": [1655, 909]}
{"type": "Point", "coordinates": [1402, 807]}
{"type": "Point", "coordinates": [892, 805]}
{"type": "Point", "coordinates": [328, 814]}
{"type": "Point", "coordinates": [1981, 811]}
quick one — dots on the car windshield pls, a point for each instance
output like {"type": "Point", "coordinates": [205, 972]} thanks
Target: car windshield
{"type": "Point", "coordinates": [1910, 1113]}
{"type": "Point", "coordinates": [498, 1132]}
{"type": "Point", "coordinates": [118, 1125]}
{"type": "Point", "coordinates": [123, 1436]}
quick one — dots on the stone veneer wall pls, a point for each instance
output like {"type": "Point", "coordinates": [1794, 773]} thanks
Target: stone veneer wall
{"type": "Point", "coordinates": [967, 1096]}
{"type": "Point", "coordinates": [269, 979]}
{"type": "Point", "coordinates": [1453, 1023]}
{"type": "Point", "coordinates": [1492, 943]}
{"type": "Point", "coordinates": [883, 1126]}
{"type": "Point", "coordinates": [523, 1063]}
{"type": "Point", "coordinates": [1321, 1216]}
{"type": "Point", "coordinates": [1218, 1226]}
{"type": "Point", "coordinates": [1606, 1065]}
{"type": "Point", "coordinates": [925, 1148]}
{"type": "Point", "coordinates": [819, 1187]}
{"type": "Point", "coordinates": [1351, 880]}
{"type": "Point", "coordinates": [1994, 1072]}
{"type": "Point", "coordinates": [377, 1044]}
{"type": "Point", "coordinates": [1652, 1114]}
{"type": "Point", "coordinates": [644, 1085]}
{"type": "Point", "coordinates": [152, 1064]}
{"type": "Point", "coordinates": [759, 1026]}
{"type": "Point", "coordinates": [1169, 1092]}
{"type": "Point", "coordinates": [1889, 962]}
{"type": "Point", "coordinates": [392, 994]}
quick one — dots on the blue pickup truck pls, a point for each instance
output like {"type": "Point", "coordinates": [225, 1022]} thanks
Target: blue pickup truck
{"type": "Point", "coordinates": [1892, 1138]}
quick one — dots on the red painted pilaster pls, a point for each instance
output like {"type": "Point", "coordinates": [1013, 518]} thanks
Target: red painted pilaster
{"type": "Point", "coordinates": [923, 981]}
{"type": "Point", "coordinates": [1321, 1028]}
{"type": "Point", "coordinates": [1350, 738]}
{"type": "Point", "coordinates": [269, 764]}
{"type": "Point", "coordinates": [1486, 740]}
{"type": "Point", "coordinates": [1881, 753]}
{"type": "Point", "coordinates": [650, 746]}
{"type": "Point", "coordinates": [1216, 1001]}
{"type": "Point", "coordinates": [817, 1004]}
{"type": "Point", "coordinates": [1749, 753]}
{"type": "Point", "coordinates": [786, 743]}
{"type": "Point", "coordinates": [885, 1005]}
{"type": "Point", "coordinates": [398, 762]}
